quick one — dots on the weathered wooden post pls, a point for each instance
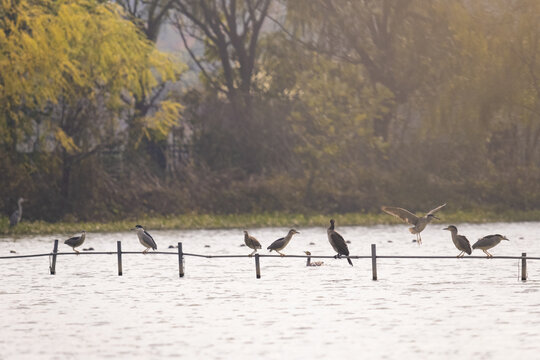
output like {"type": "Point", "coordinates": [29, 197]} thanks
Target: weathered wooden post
{"type": "Point", "coordinates": [180, 260]}
{"type": "Point", "coordinates": [374, 261]}
{"type": "Point", "coordinates": [119, 253]}
{"type": "Point", "coordinates": [308, 261]}
{"type": "Point", "coordinates": [257, 266]}
{"type": "Point", "coordinates": [52, 267]}
{"type": "Point", "coordinates": [523, 266]}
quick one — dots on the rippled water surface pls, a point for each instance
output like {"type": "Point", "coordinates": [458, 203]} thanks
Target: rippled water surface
{"type": "Point", "coordinates": [419, 308]}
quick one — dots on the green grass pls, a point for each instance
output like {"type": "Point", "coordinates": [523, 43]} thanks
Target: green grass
{"type": "Point", "coordinates": [243, 221]}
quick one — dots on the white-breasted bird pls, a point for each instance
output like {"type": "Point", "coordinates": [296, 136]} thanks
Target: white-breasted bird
{"type": "Point", "coordinates": [145, 238]}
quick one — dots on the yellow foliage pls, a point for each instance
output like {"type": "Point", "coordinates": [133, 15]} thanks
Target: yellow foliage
{"type": "Point", "coordinates": [73, 50]}
{"type": "Point", "coordinates": [66, 141]}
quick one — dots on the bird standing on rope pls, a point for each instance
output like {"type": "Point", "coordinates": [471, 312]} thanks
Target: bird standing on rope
{"type": "Point", "coordinates": [145, 239]}
{"type": "Point", "coordinates": [487, 242]}
{"type": "Point", "coordinates": [76, 241]}
{"type": "Point", "coordinates": [460, 241]}
{"type": "Point", "coordinates": [419, 223]}
{"type": "Point", "coordinates": [16, 216]}
{"type": "Point", "coordinates": [337, 242]}
{"type": "Point", "coordinates": [251, 242]}
{"type": "Point", "coordinates": [281, 243]}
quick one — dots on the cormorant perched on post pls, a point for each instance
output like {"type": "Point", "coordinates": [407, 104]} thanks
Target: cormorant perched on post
{"type": "Point", "coordinates": [145, 238]}
{"type": "Point", "coordinates": [460, 241]}
{"type": "Point", "coordinates": [280, 243]}
{"type": "Point", "coordinates": [76, 241]}
{"type": "Point", "coordinates": [487, 242]}
{"type": "Point", "coordinates": [16, 217]}
{"type": "Point", "coordinates": [337, 242]}
{"type": "Point", "coordinates": [251, 242]}
{"type": "Point", "coordinates": [419, 223]}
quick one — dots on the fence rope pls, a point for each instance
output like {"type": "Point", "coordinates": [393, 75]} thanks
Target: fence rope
{"type": "Point", "coordinates": [270, 256]}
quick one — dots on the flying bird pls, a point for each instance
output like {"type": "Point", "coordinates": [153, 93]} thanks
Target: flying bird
{"type": "Point", "coordinates": [419, 223]}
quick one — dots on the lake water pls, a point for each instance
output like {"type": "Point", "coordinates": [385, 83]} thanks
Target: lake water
{"type": "Point", "coordinates": [419, 308]}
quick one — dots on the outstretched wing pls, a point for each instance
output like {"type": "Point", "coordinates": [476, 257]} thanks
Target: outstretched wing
{"type": "Point", "coordinates": [403, 214]}
{"type": "Point", "coordinates": [436, 209]}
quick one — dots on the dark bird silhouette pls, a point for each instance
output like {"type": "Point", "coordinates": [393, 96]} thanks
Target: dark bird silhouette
{"type": "Point", "coordinates": [337, 242]}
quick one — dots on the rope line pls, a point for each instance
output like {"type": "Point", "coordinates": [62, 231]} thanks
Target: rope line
{"type": "Point", "coordinates": [269, 256]}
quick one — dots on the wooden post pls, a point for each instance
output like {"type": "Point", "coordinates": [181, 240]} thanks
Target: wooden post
{"type": "Point", "coordinates": [308, 261]}
{"type": "Point", "coordinates": [374, 261]}
{"type": "Point", "coordinates": [523, 266]}
{"type": "Point", "coordinates": [257, 266]}
{"type": "Point", "coordinates": [52, 268]}
{"type": "Point", "coordinates": [180, 260]}
{"type": "Point", "coordinates": [119, 253]}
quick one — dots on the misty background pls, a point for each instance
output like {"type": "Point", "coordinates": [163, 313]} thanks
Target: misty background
{"type": "Point", "coordinates": [123, 108]}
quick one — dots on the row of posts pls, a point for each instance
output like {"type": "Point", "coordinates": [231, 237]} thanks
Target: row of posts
{"type": "Point", "coordinates": [257, 261]}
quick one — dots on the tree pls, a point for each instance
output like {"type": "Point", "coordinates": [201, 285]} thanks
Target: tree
{"type": "Point", "coordinates": [80, 65]}
{"type": "Point", "coordinates": [229, 32]}
{"type": "Point", "coordinates": [397, 42]}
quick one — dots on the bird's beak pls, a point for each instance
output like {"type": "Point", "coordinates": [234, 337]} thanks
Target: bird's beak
{"type": "Point", "coordinates": [505, 238]}
{"type": "Point", "coordinates": [446, 228]}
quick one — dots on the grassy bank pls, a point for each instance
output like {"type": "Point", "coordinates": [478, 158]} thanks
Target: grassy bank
{"type": "Point", "coordinates": [243, 221]}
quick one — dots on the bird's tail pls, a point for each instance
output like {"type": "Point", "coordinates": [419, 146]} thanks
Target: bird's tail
{"type": "Point", "coordinates": [349, 260]}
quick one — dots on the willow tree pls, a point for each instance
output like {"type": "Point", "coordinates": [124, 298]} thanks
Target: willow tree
{"type": "Point", "coordinates": [78, 66]}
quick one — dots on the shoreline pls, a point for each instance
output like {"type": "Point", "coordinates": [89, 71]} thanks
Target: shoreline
{"type": "Point", "coordinates": [251, 221]}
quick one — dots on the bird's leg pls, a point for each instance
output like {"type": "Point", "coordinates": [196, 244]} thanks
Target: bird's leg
{"type": "Point", "coordinates": [76, 251]}
{"type": "Point", "coordinates": [460, 254]}
{"type": "Point", "coordinates": [489, 255]}
{"type": "Point", "coordinates": [280, 253]}
{"type": "Point", "coordinates": [145, 251]}
{"type": "Point", "coordinates": [418, 239]}
{"type": "Point", "coordinates": [253, 252]}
